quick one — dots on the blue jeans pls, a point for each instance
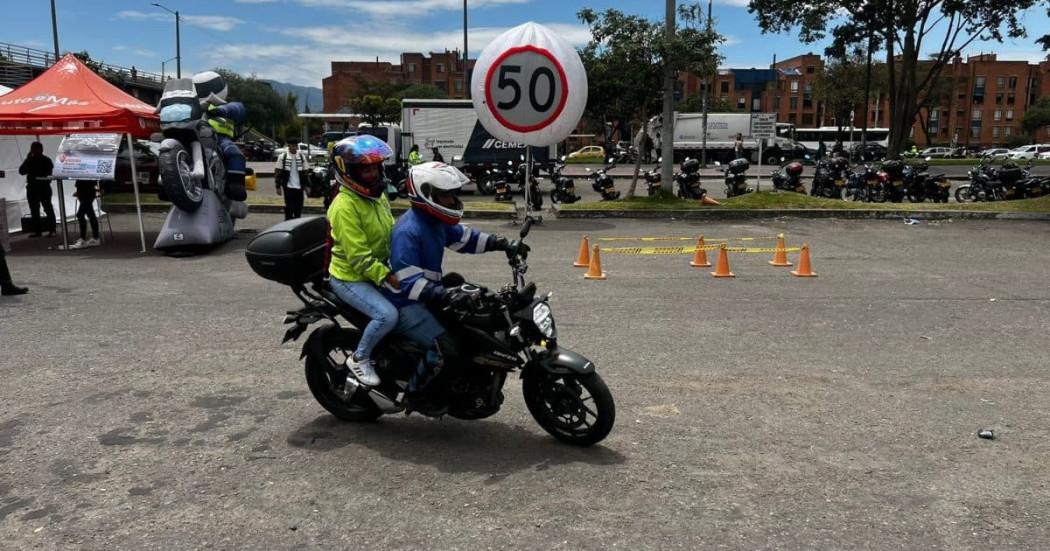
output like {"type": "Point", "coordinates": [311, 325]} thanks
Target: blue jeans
{"type": "Point", "coordinates": [417, 324]}
{"type": "Point", "coordinates": [366, 298]}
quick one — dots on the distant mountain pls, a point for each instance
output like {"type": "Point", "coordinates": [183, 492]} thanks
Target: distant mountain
{"type": "Point", "coordinates": [306, 94]}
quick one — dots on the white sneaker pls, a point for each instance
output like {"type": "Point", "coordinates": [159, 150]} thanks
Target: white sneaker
{"type": "Point", "coordinates": [364, 371]}
{"type": "Point", "coordinates": [78, 244]}
{"type": "Point", "coordinates": [92, 243]}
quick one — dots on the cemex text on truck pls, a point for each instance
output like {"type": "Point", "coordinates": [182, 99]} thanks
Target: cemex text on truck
{"type": "Point", "coordinates": [722, 129]}
{"type": "Point", "coordinates": [452, 127]}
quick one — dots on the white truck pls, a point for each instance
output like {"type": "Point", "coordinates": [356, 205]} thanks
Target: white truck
{"type": "Point", "coordinates": [722, 130]}
{"type": "Point", "coordinates": [451, 126]}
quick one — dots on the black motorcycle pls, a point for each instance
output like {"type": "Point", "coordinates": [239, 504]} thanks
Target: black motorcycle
{"type": "Point", "coordinates": [984, 185]}
{"type": "Point", "coordinates": [497, 332]}
{"type": "Point", "coordinates": [864, 185]}
{"type": "Point", "coordinates": [789, 178]}
{"type": "Point", "coordinates": [653, 184]}
{"type": "Point", "coordinates": [736, 178]}
{"type": "Point", "coordinates": [602, 183]}
{"type": "Point", "coordinates": [501, 181]}
{"type": "Point", "coordinates": [893, 184]}
{"type": "Point", "coordinates": [564, 187]}
{"type": "Point", "coordinates": [920, 185]}
{"type": "Point", "coordinates": [687, 181]}
{"type": "Point", "coordinates": [829, 178]}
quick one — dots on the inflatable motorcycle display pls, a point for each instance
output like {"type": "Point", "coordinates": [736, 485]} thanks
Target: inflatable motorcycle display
{"type": "Point", "coordinates": [193, 174]}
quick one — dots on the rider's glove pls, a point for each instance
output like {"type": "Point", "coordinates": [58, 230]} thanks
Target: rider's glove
{"type": "Point", "coordinates": [512, 248]}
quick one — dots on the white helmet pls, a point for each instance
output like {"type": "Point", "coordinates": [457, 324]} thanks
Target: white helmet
{"type": "Point", "coordinates": [211, 88]}
{"type": "Point", "coordinates": [427, 181]}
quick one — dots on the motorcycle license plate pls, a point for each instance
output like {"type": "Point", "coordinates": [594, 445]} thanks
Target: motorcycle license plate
{"type": "Point", "coordinates": [946, 184]}
{"type": "Point", "coordinates": [872, 182]}
{"type": "Point", "coordinates": [898, 183]}
{"type": "Point", "coordinates": [840, 183]}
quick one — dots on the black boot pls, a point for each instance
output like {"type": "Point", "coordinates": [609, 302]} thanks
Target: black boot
{"type": "Point", "coordinates": [9, 289]}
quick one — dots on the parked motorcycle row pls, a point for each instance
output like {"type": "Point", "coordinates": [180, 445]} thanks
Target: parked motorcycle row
{"type": "Point", "coordinates": [989, 183]}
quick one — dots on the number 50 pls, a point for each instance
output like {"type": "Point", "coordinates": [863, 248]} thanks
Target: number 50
{"type": "Point", "coordinates": [504, 82]}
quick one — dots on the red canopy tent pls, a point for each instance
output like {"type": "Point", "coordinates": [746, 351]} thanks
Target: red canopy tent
{"type": "Point", "coordinates": [70, 98]}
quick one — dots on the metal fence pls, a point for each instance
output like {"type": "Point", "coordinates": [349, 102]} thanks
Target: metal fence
{"type": "Point", "coordinates": [43, 59]}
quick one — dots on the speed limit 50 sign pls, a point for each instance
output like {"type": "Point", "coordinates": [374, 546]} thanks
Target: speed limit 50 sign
{"type": "Point", "coordinates": [529, 86]}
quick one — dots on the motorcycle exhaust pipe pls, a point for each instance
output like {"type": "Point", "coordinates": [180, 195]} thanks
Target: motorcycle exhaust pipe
{"type": "Point", "coordinates": [386, 405]}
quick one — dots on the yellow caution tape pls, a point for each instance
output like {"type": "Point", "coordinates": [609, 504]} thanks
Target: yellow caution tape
{"type": "Point", "coordinates": [691, 250]}
{"type": "Point", "coordinates": [719, 239]}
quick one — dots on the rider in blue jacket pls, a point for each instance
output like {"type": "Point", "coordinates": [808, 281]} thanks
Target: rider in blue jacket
{"type": "Point", "coordinates": [224, 117]}
{"type": "Point", "coordinates": [417, 248]}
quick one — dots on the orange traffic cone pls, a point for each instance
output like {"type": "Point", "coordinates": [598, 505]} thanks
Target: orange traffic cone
{"type": "Point", "coordinates": [780, 257]}
{"type": "Point", "coordinates": [583, 258]}
{"type": "Point", "coordinates": [722, 266]}
{"type": "Point", "coordinates": [804, 269]}
{"type": "Point", "coordinates": [594, 271]}
{"type": "Point", "coordinates": [700, 257]}
{"type": "Point", "coordinates": [709, 201]}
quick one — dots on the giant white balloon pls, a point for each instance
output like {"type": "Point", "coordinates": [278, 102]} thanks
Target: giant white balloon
{"type": "Point", "coordinates": [529, 86]}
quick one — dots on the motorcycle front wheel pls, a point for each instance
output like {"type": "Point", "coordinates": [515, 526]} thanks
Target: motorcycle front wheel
{"type": "Point", "coordinates": [576, 409]}
{"type": "Point", "coordinates": [326, 377]}
{"type": "Point", "coordinates": [176, 176]}
{"type": "Point", "coordinates": [554, 196]}
{"type": "Point", "coordinates": [963, 195]}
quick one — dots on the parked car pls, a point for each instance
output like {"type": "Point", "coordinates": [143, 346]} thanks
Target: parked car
{"type": "Point", "coordinates": [1028, 151]}
{"type": "Point", "coordinates": [147, 168]}
{"type": "Point", "coordinates": [936, 152]}
{"type": "Point", "coordinates": [594, 153]}
{"type": "Point", "coordinates": [1045, 156]}
{"type": "Point", "coordinates": [871, 152]}
{"type": "Point", "coordinates": [995, 153]}
{"type": "Point", "coordinates": [966, 151]}
{"type": "Point", "coordinates": [317, 155]}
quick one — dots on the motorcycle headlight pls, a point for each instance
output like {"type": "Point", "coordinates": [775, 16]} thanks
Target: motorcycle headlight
{"type": "Point", "coordinates": [541, 316]}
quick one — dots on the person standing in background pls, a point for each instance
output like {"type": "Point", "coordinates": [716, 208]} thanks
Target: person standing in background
{"type": "Point", "coordinates": [7, 288]}
{"type": "Point", "coordinates": [290, 174]}
{"type": "Point", "coordinates": [738, 147]}
{"type": "Point", "coordinates": [86, 197]}
{"type": "Point", "coordinates": [37, 169]}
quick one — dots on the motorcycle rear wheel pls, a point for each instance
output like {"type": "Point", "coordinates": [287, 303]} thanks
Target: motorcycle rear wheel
{"type": "Point", "coordinates": [326, 379]}
{"type": "Point", "coordinates": [576, 409]}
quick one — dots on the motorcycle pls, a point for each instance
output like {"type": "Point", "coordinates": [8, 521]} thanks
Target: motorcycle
{"type": "Point", "coordinates": [830, 178]}
{"type": "Point", "coordinates": [919, 185]}
{"type": "Point", "coordinates": [789, 178]}
{"type": "Point", "coordinates": [688, 180]}
{"type": "Point", "coordinates": [865, 186]}
{"type": "Point", "coordinates": [736, 178]}
{"type": "Point", "coordinates": [602, 183]}
{"type": "Point", "coordinates": [564, 188]}
{"type": "Point", "coordinates": [893, 184]}
{"type": "Point", "coordinates": [653, 184]}
{"type": "Point", "coordinates": [502, 179]}
{"type": "Point", "coordinates": [497, 332]}
{"type": "Point", "coordinates": [189, 158]}
{"type": "Point", "coordinates": [984, 184]}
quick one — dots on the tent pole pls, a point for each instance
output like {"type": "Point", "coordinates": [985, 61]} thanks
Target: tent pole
{"type": "Point", "coordinates": [135, 186]}
{"type": "Point", "coordinates": [61, 210]}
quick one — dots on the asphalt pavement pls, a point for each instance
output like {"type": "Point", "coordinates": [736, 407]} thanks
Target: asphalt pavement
{"type": "Point", "coordinates": [148, 403]}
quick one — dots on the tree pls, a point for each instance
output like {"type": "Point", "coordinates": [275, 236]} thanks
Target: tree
{"type": "Point", "coordinates": [695, 104]}
{"type": "Point", "coordinates": [840, 88]}
{"type": "Point", "coordinates": [267, 110]}
{"type": "Point", "coordinates": [422, 91]}
{"type": "Point", "coordinates": [375, 109]}
{"type": "Point", "coordinates": [1037, 116]}
{"type": "Point", "coordinates": [903, 29]}
{"type": "Point", "coordinates": [380, 102]}
{"type": "Point", "coordinates": [626, 59]}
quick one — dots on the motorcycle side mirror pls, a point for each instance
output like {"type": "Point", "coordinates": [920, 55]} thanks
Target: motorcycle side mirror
{"type": "Point", "coordinates": [526, 227]}
{"type": "Point", "coordinates": [156, 137]}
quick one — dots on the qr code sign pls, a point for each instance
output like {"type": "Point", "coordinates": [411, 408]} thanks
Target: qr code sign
{"type": "Point", "coordinates": [104, 167]}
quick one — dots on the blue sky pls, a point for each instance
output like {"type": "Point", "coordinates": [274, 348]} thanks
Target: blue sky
{"type": "Point", "coordinates": [295, 40]}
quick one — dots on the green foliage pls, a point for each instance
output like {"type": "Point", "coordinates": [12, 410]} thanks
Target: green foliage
{"type": "Point", "coordinates": [267, 110]}
{"type": "Point", "coordinates": [903, 30]}
{"type": "Point", "coordinates": [421, 91]}
{"type": "Point", "coordinates": [695, 104]}
{"type": "Point", "coordinates": [380, 102]}
{"type": "Point", "coordinates": [1037, 116]}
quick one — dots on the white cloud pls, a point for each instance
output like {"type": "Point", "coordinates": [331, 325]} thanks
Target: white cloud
{"type": "Point", "coordinates": [211, 22]}
{"type": "Point", "coordinates": [254, 1]}
{"type": "Point", "coordinates": [737, 3]}
{"type": "Point", "coordinates": [137, 51]}
{"type": "Point", "coordinates": [390, 8]}
{"type": "Point", "coordinates": [388, 45]}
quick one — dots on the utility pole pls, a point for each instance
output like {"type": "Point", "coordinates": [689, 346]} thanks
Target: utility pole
{"type": "Point", "coordinates": [667, 129]}
{"type": "Point", "coordinates": [707, 91]}
{"type": "Point", "coordinates": [54, 28]}
{"type": "Point", "coordinates": [178, 40]}
{"type": "Point", "coordinates": [466, 80]}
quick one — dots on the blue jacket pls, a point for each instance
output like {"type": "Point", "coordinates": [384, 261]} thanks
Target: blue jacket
{"type": "Point", "coordinates": [417, 247]}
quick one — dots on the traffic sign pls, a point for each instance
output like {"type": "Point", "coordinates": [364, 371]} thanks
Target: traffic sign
{"type": "Point", "coordinates": [763, 125]}
{"type": "Point", "coordinates": [529, 86]}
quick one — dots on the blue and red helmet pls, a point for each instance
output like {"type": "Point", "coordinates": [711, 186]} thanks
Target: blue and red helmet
{"type": "Point", "coordinates": [350, 155]}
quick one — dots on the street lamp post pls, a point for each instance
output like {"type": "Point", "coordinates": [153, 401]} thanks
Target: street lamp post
{"type": "Point", "coordinates": [178, 46]}
{"type": "Point", "coordinates": [466, 80]}
{"type": "Point", "coordinates": [54, 28]}
{"type": "Point", "coordinates": [162, 64]}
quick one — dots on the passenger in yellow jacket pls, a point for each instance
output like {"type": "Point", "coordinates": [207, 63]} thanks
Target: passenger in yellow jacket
{"type": "Point", "coordinates": [361, 225]}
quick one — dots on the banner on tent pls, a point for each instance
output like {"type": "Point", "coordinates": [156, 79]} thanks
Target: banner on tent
{"type": "Point", "coordinates": [88, 156]}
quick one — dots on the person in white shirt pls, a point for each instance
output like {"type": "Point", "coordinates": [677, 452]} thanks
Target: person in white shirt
{"type": "Point", "coordinates": [291, 176]}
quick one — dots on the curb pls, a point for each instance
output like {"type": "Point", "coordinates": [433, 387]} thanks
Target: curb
{"type": "Point", "coordinates": [851, 214]}
{"type": "Point", "coordinates": [125, 208]}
